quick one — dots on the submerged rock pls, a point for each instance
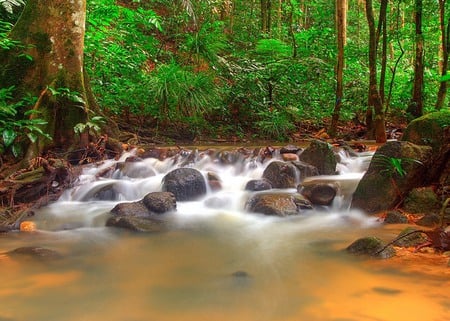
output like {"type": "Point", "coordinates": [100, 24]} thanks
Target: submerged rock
{"type": "Point", "coordinates": [35, 252]}
{"type": "Point", "coordinates": [277, 204]}
{"type": "Point", "coordinates": [371, 246]}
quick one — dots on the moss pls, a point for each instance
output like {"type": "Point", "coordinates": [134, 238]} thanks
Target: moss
{"type": "Point", "coordinates": [429, 129]}
{"type": "Point", "coordinates": [42, 42]}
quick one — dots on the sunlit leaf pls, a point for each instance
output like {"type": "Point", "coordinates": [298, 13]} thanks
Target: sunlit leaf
{"type": "Point", "coordinates": [9, 135]}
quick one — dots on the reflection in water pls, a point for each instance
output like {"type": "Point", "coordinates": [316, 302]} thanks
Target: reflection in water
{"type": "Point", "coordinates": [219, 264]}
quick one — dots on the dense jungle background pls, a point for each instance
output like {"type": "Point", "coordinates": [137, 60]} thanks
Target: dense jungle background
{"type": "Point", "coordinates": [230, 70]}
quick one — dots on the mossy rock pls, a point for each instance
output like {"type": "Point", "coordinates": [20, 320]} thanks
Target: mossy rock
{"type": "Point", "coordinates": [370, 246]}
{"type": "Point", "coordinates": [429, 130]}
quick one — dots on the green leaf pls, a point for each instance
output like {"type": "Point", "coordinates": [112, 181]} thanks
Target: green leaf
{"type": "Point", "coordinates": [445, 77]}
{"type": "Point", "coordinates": [16, 150]}
{"type": "Point", "coordinates": [9, 135]}
{"type": "Point", "coordinates": [32, 137]}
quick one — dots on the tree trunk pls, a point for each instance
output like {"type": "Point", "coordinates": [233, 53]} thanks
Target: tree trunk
{"type": "Point", "coordinates": [54, 31]}
{"type": "Point", "coordinates": [374, 99]}
{"type": "Point", "coordinates": [415, 108]}
{"type": "Point", "coordinates": [341, 22]}
{"type": "Point", "coordinates": [445, 50]}
{"type": "Point", "coordinates": [266, 16]}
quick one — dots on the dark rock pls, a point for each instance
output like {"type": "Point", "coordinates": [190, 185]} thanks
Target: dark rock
{"type": "Point", "coordinates": [277, 204]}
{"type": "Point", "coordinates": [410, 240]}
{"type": "Point", "coordinates": [429, 220]}
{"type": "Point", "coordinates": [422, 200]}
{"type": "Point", "coordinates": [35, 252]}
{"type": "Point", "coordinates": [281, 174]}
{"type": "Point", "coordinates": [382, 186]}
{"type": "Point", "coordinates": [370, 246]}
{"type": "Point", "coordinates": [395, 217]}
{"type": "Point", "coordinates": [256, 185]}
{"type": "Point", "coordinates": [306, 170]}
{"type": "Point", "coordinates": [138, 224]}
{"type": "Point", "coordinates": [160, 202]}
{"type": "Point", "coordinates": [290, 149]}
{"type": "Point", "coordinates": [320, 155]}
{"type": "Point", "coordinates": [319, 194]}
{"type": "Point", "coordinates": [136, 209]}
{"type": "Point", "coordinates": [146, 215]}
{"type": "Point", "coordinates": [185, 183]}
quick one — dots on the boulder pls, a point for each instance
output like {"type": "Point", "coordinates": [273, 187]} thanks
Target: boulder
{"type": "Point", "coordinates": [146, 215]}
{"type": "Point", "coordinates": [305, 169]}
{"type": "Point", "coordinates": [319, 194]}
{"type": "Point", "coordinates": [433, 130]}
{"type": "Point", "coordinates": [395, 217]}
{"type": "Point", "coordinates": [430, 129]}
{"type": "Point", "coordinates": [160, 202]}
{"type": "Point", "coordinates": [320, 154]}
{"type": "Point", "coordinates": [281, 174]}
{"type": "Point", "coordinates": [185, 183]}
{"type": "Point", "coordinates": [395, 169]}
{"type": "Point", "coordinates": [277, 204]}
{"type": "Point", "coordinates": [256, 185]}
{"type": "Point", "coordinates": [411, 240]}
{"type": "Point", "coordinates": [422, 200]}
{"type": "Point", "coordinates": [370, 246]}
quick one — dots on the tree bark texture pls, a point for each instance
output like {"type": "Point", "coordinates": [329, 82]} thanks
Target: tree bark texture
{"type": "Point", "coordinates": [54, 30]}
{"type": "Point", "coordinates": [445, 48]}
{"type": "Point", "coordinates": [374, 99]}
{"type": "Point", "coordinates": [341, 24]}
{"type": "Point", "coordinates": [415, 108]}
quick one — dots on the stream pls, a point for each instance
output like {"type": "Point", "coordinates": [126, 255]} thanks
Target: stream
{"type": "Point", "coordinates": [218, 263]}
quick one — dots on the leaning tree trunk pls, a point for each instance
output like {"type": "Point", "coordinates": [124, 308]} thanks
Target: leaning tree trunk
{"type": "Point", "coordinates": [54, 33]}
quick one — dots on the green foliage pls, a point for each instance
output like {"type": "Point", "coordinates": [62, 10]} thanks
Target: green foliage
{"type": "Point", "coordinates": [15, 128]}
{"type": "Point", "coordinates": [207, 43]}
{"type": "Point", "coordinates": [93, 126]}
{"type": "Point", "coordinates": [120, 49]}
{"type": "Point", "coordinates": [178, 92]}
{"type": "Point", "coordinates": [10, 5]}
{"type": "Point", "coordinates": [392, 166]}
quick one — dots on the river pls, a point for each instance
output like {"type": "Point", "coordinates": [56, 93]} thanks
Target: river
{"type": "Point", "coordinates": [217, 263]}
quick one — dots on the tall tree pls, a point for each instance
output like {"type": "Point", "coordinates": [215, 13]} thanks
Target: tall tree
{"type": "Point", "coordinates": [445, 49]}
{"type": "Point", "coordinates": [374, 99]}
{"type": "Point", "coordinates": [266, 16]}
{"type": "Point", "coordinates": [341, 27]}
{"type": "Point", "coordinates": [415, 108]}
{"type": "Point", "coordinates": [54, 34]}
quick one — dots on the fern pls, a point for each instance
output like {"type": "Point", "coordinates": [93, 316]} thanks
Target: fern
{"type": "Point", "coordinates": [9, 5]}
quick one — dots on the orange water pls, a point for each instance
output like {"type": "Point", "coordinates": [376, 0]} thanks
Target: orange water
{"type": "Point", "coordinates": [187, 275]}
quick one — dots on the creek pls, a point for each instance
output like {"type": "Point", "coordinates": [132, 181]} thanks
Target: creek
{"type": "Point", "coordinates": [217, 263]}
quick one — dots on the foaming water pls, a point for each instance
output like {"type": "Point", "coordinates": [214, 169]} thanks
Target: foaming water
{"type": "Point", "coordinates": [217, 263]}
